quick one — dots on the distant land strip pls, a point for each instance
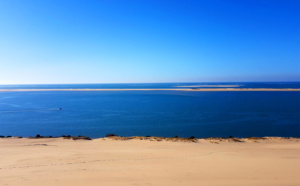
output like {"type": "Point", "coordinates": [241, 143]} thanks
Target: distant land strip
{"type": "Point", "coordinates": [158, 89]}
{"type": "Point", "coordinates": [222, 86]}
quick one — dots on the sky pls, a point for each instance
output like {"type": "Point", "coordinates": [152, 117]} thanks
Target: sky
{"type": "Point", "coordinates": [143, 41]}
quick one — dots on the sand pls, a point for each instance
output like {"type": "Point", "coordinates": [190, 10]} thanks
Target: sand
{"type": "Point", "coordinates": [160, 89]}
{"type": "Point", "coordinates": [193, 86]}
{"type": "Point", "coordinates": [57, 161]}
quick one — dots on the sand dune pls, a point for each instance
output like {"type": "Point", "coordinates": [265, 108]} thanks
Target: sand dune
{"type": "Point", "coordinates": [270, 161]}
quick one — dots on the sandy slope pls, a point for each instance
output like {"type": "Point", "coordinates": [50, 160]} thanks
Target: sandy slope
{"type": "Point", "coordinates": [139, 162]}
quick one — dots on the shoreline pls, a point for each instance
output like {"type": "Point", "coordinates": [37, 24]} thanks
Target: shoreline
{"type": "Point", "coordinates": [153, 138]}
{"type": "Point", "coordinates": [159, 89]}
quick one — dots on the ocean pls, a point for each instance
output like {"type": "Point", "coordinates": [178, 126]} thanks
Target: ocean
{"type": "Point", "coordinates": [155, 113]}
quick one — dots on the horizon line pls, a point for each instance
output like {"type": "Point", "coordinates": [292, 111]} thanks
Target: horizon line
{"type": "Point", "coordinates": [154, 82]}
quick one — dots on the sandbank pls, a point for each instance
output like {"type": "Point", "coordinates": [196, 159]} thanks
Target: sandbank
{"type": "Point", "coordinates": [157, 89]}
{"type": "Point", "coordinates": [137, 161]}
{"type": "Point", "coordinates": [209, 86]}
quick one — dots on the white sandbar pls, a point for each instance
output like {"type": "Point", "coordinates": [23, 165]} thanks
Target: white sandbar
{"type": "Point", "coordinates": [157, 89]}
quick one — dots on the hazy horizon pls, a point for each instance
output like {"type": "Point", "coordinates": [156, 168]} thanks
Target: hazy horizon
{"type": "Point", "coordinates": [80, 42]}
{"type": "Point", "coordinates": [212, 82]}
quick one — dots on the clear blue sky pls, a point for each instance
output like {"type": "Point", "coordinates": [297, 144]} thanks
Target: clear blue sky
{"type": "Point", "coordinates": [125, 41]}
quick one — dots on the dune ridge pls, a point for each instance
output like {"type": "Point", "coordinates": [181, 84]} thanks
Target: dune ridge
{"type": "Point", "coordinates": [150, 161]}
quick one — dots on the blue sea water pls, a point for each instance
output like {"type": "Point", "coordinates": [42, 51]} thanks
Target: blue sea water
{"type": "Point", "coordinates": [155, 113]}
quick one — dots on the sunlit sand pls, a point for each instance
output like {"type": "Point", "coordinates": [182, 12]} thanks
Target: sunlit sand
{"type": "Point", "coordinates": [209, 86]}
{"type": "Point", "coordinates": [105, 161]}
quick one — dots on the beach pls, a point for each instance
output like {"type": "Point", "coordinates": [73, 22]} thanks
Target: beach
{"type": "Point", "coordinates": [150, 161]}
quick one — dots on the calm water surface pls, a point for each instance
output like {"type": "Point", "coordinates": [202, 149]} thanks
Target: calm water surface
{"type": "Point", "coordinates": [157, 113]}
